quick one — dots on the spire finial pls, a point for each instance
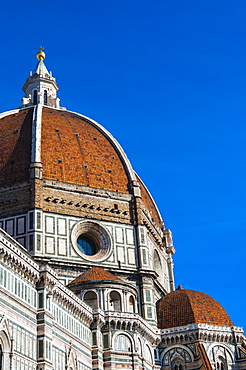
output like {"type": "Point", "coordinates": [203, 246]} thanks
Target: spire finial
{"type": "Point", "coordinates": [40, 87]}
{"type": "Point", "coordinates": [40, 54]}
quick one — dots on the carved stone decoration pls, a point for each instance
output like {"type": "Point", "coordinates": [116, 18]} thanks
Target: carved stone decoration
{"type": "Point", "coordinates": [176, 354]}
{"type": "Point", "coordinates": [221, 357]}
{"type": "Point", "coordinates": [71, 361]}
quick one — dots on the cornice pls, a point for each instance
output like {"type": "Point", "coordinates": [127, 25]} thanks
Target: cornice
{"type": "Point", "coordinates": [13, 254]}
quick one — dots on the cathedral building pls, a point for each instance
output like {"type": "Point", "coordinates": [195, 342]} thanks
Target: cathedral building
{"type": "Point", "coordinates": [86, 269]}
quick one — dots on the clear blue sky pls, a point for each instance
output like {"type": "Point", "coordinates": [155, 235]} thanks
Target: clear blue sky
{"type": "Point", "coordinates": [168, 80]}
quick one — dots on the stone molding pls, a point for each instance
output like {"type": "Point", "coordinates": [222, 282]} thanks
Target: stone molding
{"type": "Point", "coordinates": [14, 254]}
{"type": "Point", "coordinates": [9, 112]}
{"type": "Point", "coordinates": [204, 332]}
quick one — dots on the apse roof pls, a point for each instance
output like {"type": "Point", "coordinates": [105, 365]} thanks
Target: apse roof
{"type": "Point", "coordinates": [94, 273]}
{"type": "Point", "coordinates": [182, 307]}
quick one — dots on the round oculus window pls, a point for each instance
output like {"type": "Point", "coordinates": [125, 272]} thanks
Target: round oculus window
{"type": "Point", "coordinates": [86, 245]}
{"type": "Point", "coordinates": [91, 240]}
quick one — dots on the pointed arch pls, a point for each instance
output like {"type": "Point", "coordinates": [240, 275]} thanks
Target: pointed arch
{"type": "Point", "coordinates": [157, 263]}
{"type": "Point", "coordinates": [148, 354]}
{"type": "Point", "coordinates": [123, 343]}
{"type": "Point", "coordinates": [5, 349]}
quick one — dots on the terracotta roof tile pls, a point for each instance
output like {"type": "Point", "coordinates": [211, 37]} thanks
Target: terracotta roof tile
{"type": "Point", "coordinates": [15, 144]}
{"type": "Point", "coordinates": [74, 151]}
{"type": "Point", "coordinates": [95, 273]}
{"type": "Point", "coordinates": [182, 307]}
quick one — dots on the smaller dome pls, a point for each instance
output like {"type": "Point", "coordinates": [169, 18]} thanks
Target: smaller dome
{"type": "Point", "coordinates": [93, 274]}
{"type": "Point", "coordinates": [182, 307]}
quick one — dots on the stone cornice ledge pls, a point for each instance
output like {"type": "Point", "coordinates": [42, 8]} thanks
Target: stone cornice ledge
{"type": "Point", "coordinates": [17, 256]}
{"type": "Point", "coordinates": [203, 332]}
{"type": "Point", "coordinates": [180, 329]}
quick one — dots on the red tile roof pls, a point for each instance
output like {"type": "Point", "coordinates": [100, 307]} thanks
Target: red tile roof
{"type": "Point", "coordinates": [94, 273]}
{"type": "Point", "coordinates": [15, 146]}
{"type": "Point", "coordinates": [182, 307]}
{"type": "Point", "coordinates": [74, 151]}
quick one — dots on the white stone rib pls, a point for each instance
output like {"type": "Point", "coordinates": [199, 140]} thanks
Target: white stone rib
{"type": "Point", "coordinates": [9, 112]}
{"type": "Point", "coordinates": [36, 134]}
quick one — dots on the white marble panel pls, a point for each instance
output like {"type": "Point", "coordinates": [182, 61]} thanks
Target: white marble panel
{"type": "Point", "coordinates": [61, 226]}
{"type": "Point", "coordinates": [119, 235]}
{"type": "Point", "coordinates": [49, 227]}
{"type": "Point", "coordinates": [131, 256]}
{"type": "Point", "coordinates": [129, 236]}
{"type": "Point", "coordinates": [121, 254]}
{"type": "Point", "coordinates": [62, 246]}
{"type": "Point", "coordinates": [50, 245]}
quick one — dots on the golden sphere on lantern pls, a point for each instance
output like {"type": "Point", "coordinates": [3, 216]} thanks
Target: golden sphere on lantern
{"type": "Point", "coordinates": [40, 54]}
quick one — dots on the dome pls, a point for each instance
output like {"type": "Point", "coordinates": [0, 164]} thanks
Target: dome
{"type": "Point", "coordinates": [182, 307]}
{"type": "Point", "coordinates": [69, 192]}
{"type": "Point", "coordinates": [71, 148]}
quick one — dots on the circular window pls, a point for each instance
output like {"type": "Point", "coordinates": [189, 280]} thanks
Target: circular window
{"type": "Point", "coordinates": [86, 245]}
{"type": "Point", "coordinates": [91, 240]}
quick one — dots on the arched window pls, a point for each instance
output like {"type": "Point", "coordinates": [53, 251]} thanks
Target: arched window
{"type": "Point", "coordinates": [148, 355]}
{"type": "Point", "coordinates": [157, 264]}
{"type": "Point", "coordinates": [90, 298]}
{"type": "Point", "coordinates": [114, 301]}
{"type": "Point", "coordinates": [35, 97]}
{"type": "Point", "coordinates": [45, 97]}
{"type": "Point", "coordinates": [4, 350]}
{"type": "Point", "coordinates": [221, 364]}
{"type": "Point", "coordinates": [140, 347]}
{"type": "Point", "coordinates": [177, 365]}
{"type": "Point", "coordinates": [123, 343]}
{"type": "Point", "coordinates": [131, 304]}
